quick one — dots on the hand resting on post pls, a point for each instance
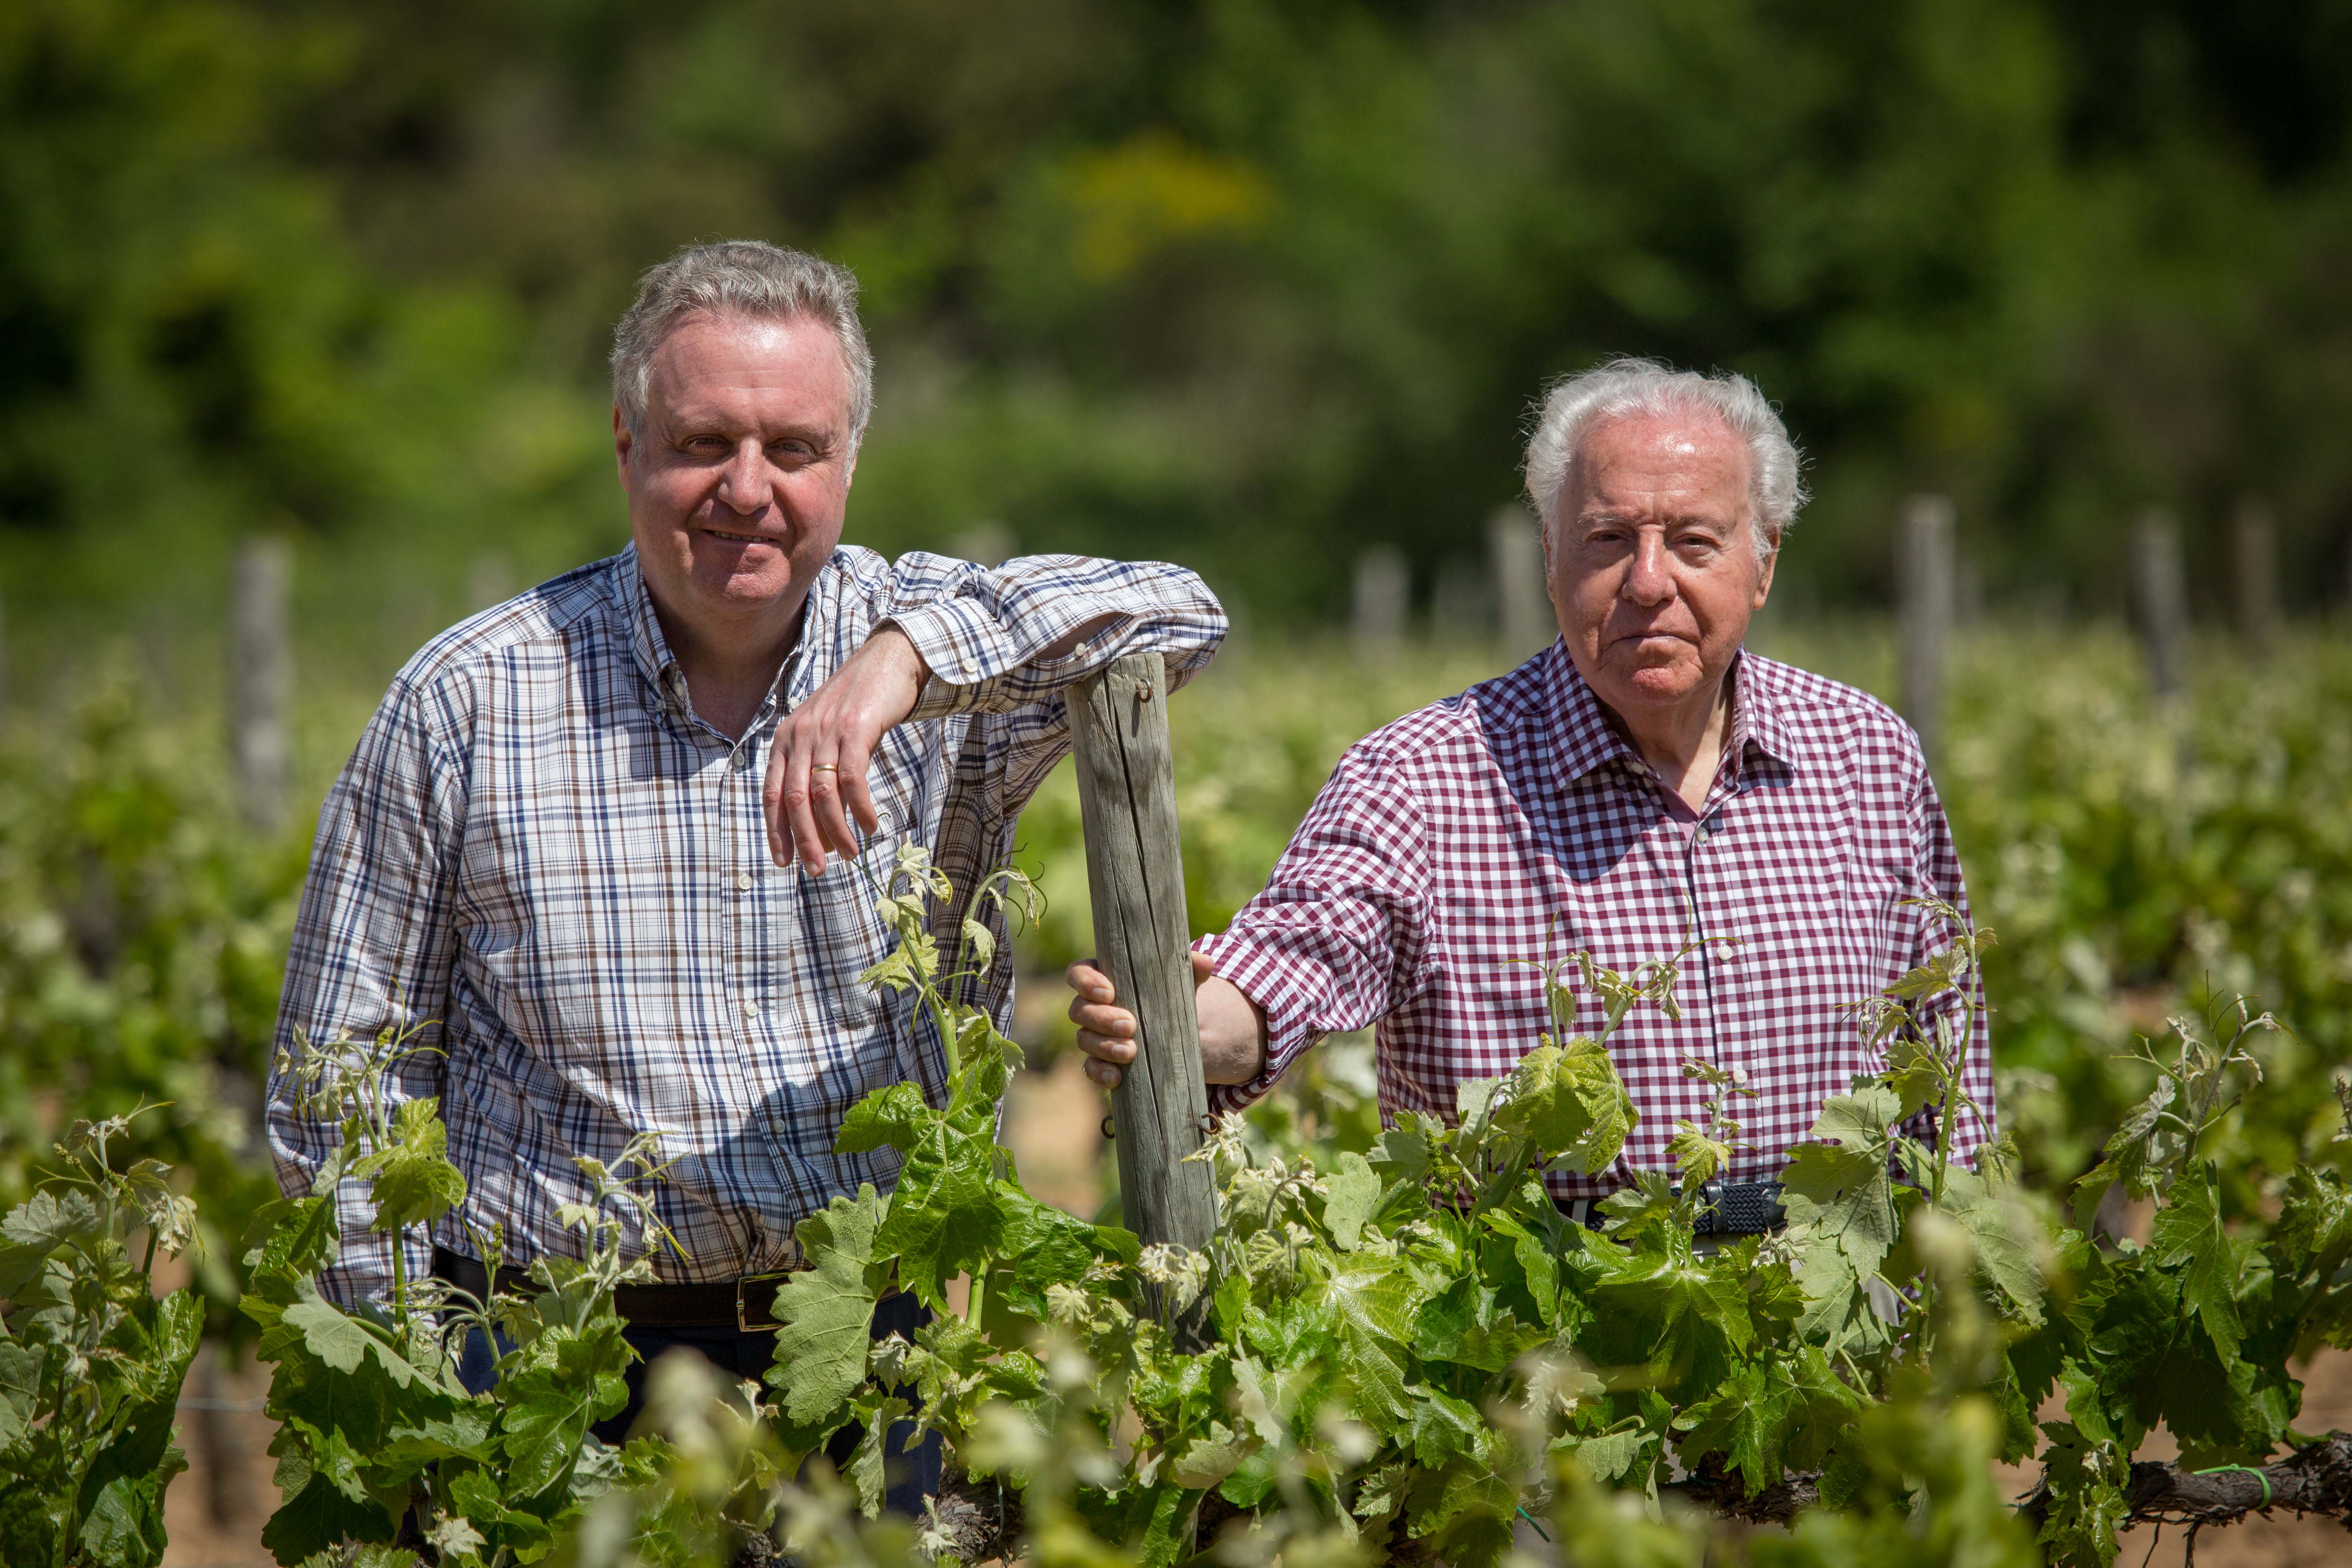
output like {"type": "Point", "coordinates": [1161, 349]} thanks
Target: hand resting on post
{"type": "Point", "coordinates": [1233, 1027]}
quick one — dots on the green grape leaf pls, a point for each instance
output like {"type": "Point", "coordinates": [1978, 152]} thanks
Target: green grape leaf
{"type": "Point", "coordinates": [2086, 1504]}
{"type": "Point", "coordinates": [48, 1220]}
{"type": "Point", "coordinates": [414, 1183]}
{"type": "Point", "coordinates": [546, 1419]}
{"type": "Point", "coordinates": [1209, 1457]}
{"type": "Point", "coordinates": [943, 1218]}
{"type": "Point", "coordinates": [1914, 1071]}
{"type": "Point", "coordinates": [1371, 1302]}
{"type": "Point", "coordinates": [1402, 1154]}
{"type": "Point", "coordinates": [1609, 1456]}
{"type": "Point", "coordinates": [1771, 1416]}
{"type": "Point", "coordinates": [2001, 1229]}
{"type": "Point", "coordinates": [1038, 1247]}
{"type": "Point", "coordinates": [297, 1238]}
{"type": "Point", "coordinates": [1354, 1190]}
{"type": "Point", "coordinates": [1568, 1101]}
{"type": "Point", "coordinates": [1678, 1317]}
{"type": "Point", "coordinates": [1697, 1156]}
{"type": "Point", "coordinates": [1840, 1198]}
{"type": "Point", "coordinates": [319, 1517]}
{"type": "Point", "coordinates": [866, 1462]}
{"type": "Point", "coordinates": [2187, 1236]}
{"type": "Point", "coordinates": [2144, 1145]}
{"type": "Point", "coordinates": [894, 1116]}
{"type": "Point", "coordinates": [124, 1525]}
{"type": "Point", "coordinates": [827, 1309]}
{"type": "Point", "coordinates": [20, 1388]}
{"type": "Point", "coordinates": [343, 1342]}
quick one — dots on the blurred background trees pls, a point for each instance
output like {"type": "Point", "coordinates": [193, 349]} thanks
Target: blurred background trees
{"type": "Point", "coordinates": [1248, 283]}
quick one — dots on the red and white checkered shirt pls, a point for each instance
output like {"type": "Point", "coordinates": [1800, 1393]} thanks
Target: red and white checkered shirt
{"type": "Point", "coordinates": [1512, 822]}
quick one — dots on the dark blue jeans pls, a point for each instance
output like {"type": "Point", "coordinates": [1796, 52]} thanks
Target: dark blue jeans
{"type": "Point", "coordinates": [910, 1477]}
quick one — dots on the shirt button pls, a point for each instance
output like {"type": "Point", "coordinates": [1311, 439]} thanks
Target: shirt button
{"type": "Point", "coordinates": [743, 883]}
{"type": "Point", "coordinates": [750, 1009]}
{"type": "Point", "coordinates": [969, 665]}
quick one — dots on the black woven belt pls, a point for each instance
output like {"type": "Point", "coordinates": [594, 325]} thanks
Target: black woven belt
{"type": "Point", "coordinates": [1726, 1208]}
{"type": "Point", "coordinates": [747, 1304]}
{"type": "Point", "coordinates": [1739, 1208]}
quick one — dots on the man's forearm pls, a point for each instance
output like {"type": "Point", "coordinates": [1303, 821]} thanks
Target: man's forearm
{"type": "Point", "coordinates": [1233, 1032]}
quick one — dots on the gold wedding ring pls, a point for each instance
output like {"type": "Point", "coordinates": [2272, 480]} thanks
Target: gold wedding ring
{"type": "Point", "coordinates": [822, 768]}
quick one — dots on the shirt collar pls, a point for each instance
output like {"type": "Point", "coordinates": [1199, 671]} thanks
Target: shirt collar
{"type": "Point", "coordinates": [633, 603]}
{"type": "Point", "coordinates": [1586, 739]}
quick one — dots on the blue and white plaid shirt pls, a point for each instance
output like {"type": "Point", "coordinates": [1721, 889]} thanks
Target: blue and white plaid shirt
{"type": "Point", "coordinates": [541, 855]}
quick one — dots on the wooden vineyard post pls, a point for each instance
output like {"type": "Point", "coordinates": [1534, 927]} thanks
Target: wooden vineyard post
{"type": "Point", "coordinates": [1927, 611]}
{"type": "Point", "coordinates": [1515, 556]}
{"type": "Point", "coordinates": [1126, 799]}
{"type": "Point", "coordinates": [2163, 601]}
{"type": "Point", "coordinates": [1382, 602]}
{"type": "Point", "coordinates": [261, 678]}
{"type": "Point", "coordinates": [2257, 580]}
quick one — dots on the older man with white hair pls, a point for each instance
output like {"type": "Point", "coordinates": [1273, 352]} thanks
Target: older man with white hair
{"type": "Point", "coordinates": [1643, 784]}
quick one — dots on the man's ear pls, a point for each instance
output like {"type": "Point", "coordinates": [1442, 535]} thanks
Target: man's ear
{"type": "Point", "coordinates": [1764, 579]}
{"type": "Point", "coordinates": [623, 443]}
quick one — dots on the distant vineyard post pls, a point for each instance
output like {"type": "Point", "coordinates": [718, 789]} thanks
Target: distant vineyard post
{"type": "Point", "coordinates": [1127, 798]}
{"type": "Point", "coordinates": [2256, 580]}
{"type": "Point", "coordinates": [2163, 601]}
{"type": "Point", "coordinates": [261, 678]}
{"type": "Point", "coordinates": [1927, 613]}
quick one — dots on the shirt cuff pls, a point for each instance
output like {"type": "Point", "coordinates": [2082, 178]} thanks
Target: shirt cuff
{"type": "Point", "coordinates": [1275, 982]}
{"type": "Point", "coordinates": [965, 649]}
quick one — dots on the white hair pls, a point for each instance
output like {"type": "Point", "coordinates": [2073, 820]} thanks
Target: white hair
{"type": "Point", "coordinates": [739, 277]}
{"type": "Point", "coordinates": [1574, 405]}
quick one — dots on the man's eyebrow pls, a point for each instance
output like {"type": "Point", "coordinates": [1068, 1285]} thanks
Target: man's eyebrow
{"type": "Point", "coordinates": [687, 425]}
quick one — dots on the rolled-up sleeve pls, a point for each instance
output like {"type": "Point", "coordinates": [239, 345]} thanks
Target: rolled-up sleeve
{"type": "Point", "coordinates": [374, 946]}
{"type": "Point", "coordinates": [1003, 638]}
{"type": "Point", "coordinates": [1334, 941]}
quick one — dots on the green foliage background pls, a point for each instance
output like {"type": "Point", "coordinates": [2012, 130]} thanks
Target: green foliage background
{"type": "Point", "coordinates": [1247, 283]}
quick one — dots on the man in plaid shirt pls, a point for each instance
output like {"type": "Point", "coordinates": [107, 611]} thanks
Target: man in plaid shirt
{"type": "Point", "coordinates": [568, 850]}
{"type": "Point", "coordinates": [1640, 785]}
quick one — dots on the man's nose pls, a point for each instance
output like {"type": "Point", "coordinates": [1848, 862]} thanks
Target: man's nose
{"type": "Point", "coordinates": [745, 486]}
{"type": "Point", "coordinates": [1649, 582]}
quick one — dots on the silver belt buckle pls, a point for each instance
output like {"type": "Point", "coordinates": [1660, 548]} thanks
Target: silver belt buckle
{"type": "Point", "coordinates": [748, 1328]}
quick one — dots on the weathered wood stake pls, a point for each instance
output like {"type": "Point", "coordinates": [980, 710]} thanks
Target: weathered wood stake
{"type": "Point", "coordinates": [2163, 601]}
{"type": "Point", "coordinates": [1927, 611]}
{"type": "Point", "coordinates": [1127, 800]}
{"type": "Point", "coordinates": [2257, 576]}
{"type": "Point", "coordinates": [1515, 556]}
{"type": "Point", "coordinates": [1382, 601]}
{"type": "Point", "coordinates": [261, 678]}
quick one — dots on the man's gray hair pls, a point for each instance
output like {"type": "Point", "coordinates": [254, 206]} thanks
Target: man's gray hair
{"type": "Point", "coordinates": [1575, 403]}
{"type": "Point", "coordinates": [739, 277]}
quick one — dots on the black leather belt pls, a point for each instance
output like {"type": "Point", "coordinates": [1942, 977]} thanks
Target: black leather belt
{"type": "Point", "coordinates": [747, 1304]}
{"type": "Point", "coordinates": [1726, 1208]}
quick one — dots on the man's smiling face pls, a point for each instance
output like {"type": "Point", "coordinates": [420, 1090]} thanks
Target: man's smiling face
{"type": "Point", "coordinates": [740, 479]}
{"type": "Point", "coordinates": [1653, 565]}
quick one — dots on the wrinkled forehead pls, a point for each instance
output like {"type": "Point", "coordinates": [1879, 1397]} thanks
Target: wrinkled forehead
{"type": "Point", "coordinates": [1650, 463]}
{"type": "Point", "coordinates": [724, 356]}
